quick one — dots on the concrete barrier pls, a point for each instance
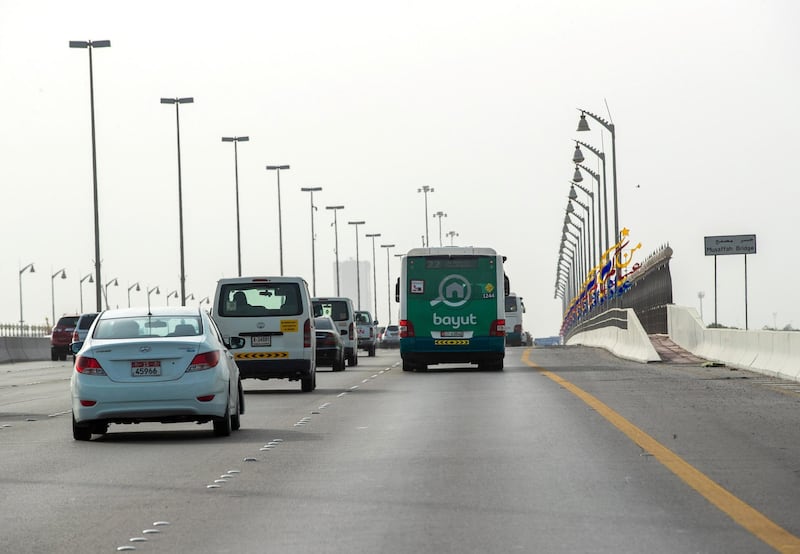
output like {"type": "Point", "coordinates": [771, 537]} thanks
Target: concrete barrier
{"type": "Point", "coordinates": [24, 349]}
{"type": "Point", "coordinates": [628, 341]}
{"type": "Point", "coordinates": [775, 353]}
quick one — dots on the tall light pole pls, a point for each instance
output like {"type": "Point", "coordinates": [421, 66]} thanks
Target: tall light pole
{"type": "Point", "coordinates": [21, 271]}
{"type": "Point", "coordinates": [578, 159]}
{"type": "Point", "coordinates": [336, 242]}
{"type": "Point", "coordinates": [105, 289]}
{"type": "Point", "coordinates": [89, 276]}
{"type": "Point", "coordinates": [312, 190]}
{"type": "Point", "coordinates": [374, 270]}
{"type": "Point", "coordinates": [91, 45]}
{"type": "Point", "coordinates": [277, 169]}
{"type": "Point", "coordinates": [388, 282]}
{"type": "Point", "coordinates": [178, 102]}
{"type": "Point", "coordinates": [171, 294]}
{"type": "Point", "coordinates": [358, 268]}
{"type": "Point", "coordinates": [440, 214]}
{"type": "Point", "coordinates": [63, 274]}
{"type": "Point", "coordinates": [130, 288]}
{"type": "Point", "coordinates": [149, 292]}
{"type": "Point", "coordinates": [451, 234]}
{"type": "Point", "coordinates": [573, 197]}
{"type": "Point", "coordinates": [236, 141]}
{"type": "Point", "coordinates": [426, 189]}
{"type": "Point", "coordinates": [583, 125]}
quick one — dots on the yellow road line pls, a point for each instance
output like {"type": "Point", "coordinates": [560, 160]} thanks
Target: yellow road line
{"type": "Point", "coordinates": [745, 515]}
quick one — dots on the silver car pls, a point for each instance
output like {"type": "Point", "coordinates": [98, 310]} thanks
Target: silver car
{"type": "Point", "coordinates": [165, 365]}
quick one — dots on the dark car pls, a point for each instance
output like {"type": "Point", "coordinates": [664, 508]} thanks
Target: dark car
{"type": "Point", "coordinates": [61, 337]}
{"type": "Point", "coordinates": [330, 347]}
{"type": "Point", "coordinates": [82, 327]}
{"type": "Point", "coordinates": [391, 337]}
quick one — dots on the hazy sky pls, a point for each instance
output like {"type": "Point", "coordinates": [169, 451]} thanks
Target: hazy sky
{"type": "Point", "coordinates": [371, 100]}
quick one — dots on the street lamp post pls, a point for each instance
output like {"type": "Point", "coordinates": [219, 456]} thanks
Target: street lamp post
{"type": "Point", "coordinates": [149, 292]}
{"type": "Point", "coordinates": [336, 242]}
{"type": "Point", "coordinates": [91, 45]}
{"type": "Point", "coordinates": [451, 234]}
{"type": "Point", "coordinates": [130, 288]}
{"type": "Point", "coordinates": [63, 274]}
{"type": "Point", "coordinates": [583, 125]}
{"type": "Point", "coordinates": [277, 169]}
{"type": "Point", "coordinates": [171, 294]}
{"type": "Point", "coordinates": [426, 189]}
{"type": "Point", "coordinates": [236, 141]}
{"type": "Point", "coordinates": [358, 268]}
{"type": "Point", "coordinates": [21, 271]}
{"type": "Point", "coordinates": [89, 276]}
{"type": "Point", "coordinates": [105, 289]}
{"type": "Point", "coordinates": [573, 197]}
{"type": "Point", "coordinates": [312, 190]}
{"type": "Point", "coordinates": [440, 214]}
{"type": "Point", "coordinates": [178, 102]}
{"type": "Point", "coordinates": [388, 282]}
{"type": "Point", "coordinates": [374, 273]}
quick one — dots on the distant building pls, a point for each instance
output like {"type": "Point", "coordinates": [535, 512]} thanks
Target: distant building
{"type": "Point", "coordinates": [349, 286]}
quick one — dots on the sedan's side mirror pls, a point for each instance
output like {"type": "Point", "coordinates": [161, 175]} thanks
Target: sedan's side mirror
{"type": "Point", "coordinates": [234, 343]}
{"type": "Point", "coordinates": [75, 347]}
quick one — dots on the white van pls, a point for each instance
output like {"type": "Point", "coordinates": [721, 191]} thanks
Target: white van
{"type": "Point", "coordinates": [274, 316]}
{"type": "Point", "coordinates": [340, 309]}
{"type": "Point", "coordinates": [515, 336]}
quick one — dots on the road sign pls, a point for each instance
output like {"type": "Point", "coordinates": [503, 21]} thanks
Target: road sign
{"type": "Point", "coordinates": [730, 244]}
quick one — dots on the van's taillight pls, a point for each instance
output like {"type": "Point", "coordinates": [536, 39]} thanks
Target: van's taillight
{"type": "Point", "coordinates": [406, 329]}
{"type": "Point", "coordinates": [307, 334]}
{"type": "Point", "coordinates": [204, 361]}
{"type": "Point", "coordinates": [352, 332]}
{"type": "Point", "coordinates": [88, 366]}
{"type": "Point", "coordinates": [498, 328]}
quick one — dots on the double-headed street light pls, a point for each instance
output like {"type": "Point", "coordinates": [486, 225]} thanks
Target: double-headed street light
{"type": "Point", "coordinates": [63, 274]}
{"type": "Point", "coordinates": [426, 189]}
{"type": "Point", "coordinates": [451, 234]}
{"type": "Point", "coordinates": [28, 267]}
{"type": "Point", "coordinates": [90, 45]}
{"type": "Point", "coordinates": [236, 141]}
{"type": "Point", "coordinates": [374, 270]}
{"type": "Point", "coordinates": [388, 282]}
{"type": "Point", "coordinates": [89, 276]}
{"type": "Point", "coordinates": [358, 268]}
{"type": "Point", "coordinates": [277, 169]}
{"type": "Point", "coordinates": [336, 241]}
{"type": "Point", "coordinates": [440, 214]}
{"type": "Point", "coordinates": [130, 288]}
{"type": "Point", "coordinates": [178, 102]}
{"type": "Point", "coordinates": [312, 190]}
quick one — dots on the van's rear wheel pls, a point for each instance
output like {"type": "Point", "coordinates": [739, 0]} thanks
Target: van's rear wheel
{"type": "Point", "coordinates": [309, 382]}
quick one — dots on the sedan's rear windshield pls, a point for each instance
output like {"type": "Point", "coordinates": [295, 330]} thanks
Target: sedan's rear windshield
{"type": "Point", "coordinates": [260, 299]}
{"type": "Point", "coordinates": [336, 309]}
{"type": "Point", "coordinates": [147, 326]}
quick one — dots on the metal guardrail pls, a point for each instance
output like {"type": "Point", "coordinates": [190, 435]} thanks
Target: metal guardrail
{"type": "Point", "coordinates": [17, 330]}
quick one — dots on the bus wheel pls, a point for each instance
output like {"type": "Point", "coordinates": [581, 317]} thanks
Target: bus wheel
{"type": "Point", "coordinates": [408, 366]}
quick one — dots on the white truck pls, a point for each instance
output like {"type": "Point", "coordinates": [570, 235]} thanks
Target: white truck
{"type": "Point", "coordinates": [367, 329]}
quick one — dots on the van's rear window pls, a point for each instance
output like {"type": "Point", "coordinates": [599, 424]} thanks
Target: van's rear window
{"type": "Point", "coordinates": [260, 299]}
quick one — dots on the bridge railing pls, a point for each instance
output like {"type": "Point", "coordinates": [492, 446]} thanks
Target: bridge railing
{"type": "Point", "coordinates": [17, 330]}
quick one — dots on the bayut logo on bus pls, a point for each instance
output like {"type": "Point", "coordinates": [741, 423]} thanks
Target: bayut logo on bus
{"type": "Point", "coordinates": [454, 292]}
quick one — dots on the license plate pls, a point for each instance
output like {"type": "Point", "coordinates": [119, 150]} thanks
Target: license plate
{"type": "Point", "coordinates": [146, 368]}
{"type": "Point", "coordinates": [450, 334]}
{"type": "Point", "coordinates": [261, 340]}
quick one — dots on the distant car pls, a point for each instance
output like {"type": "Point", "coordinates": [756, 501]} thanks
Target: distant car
{"type": "Point", "coordinates": [367, 331]}
{"type": "Point", "coordinates": [341, 311]}
{"type": "Point", "coordinates": [330, 347]}
{"type": "Point", "coordinates": [166, 364]}
{"type": "Point", "coordinates": [391, 337]}
{"type": "Point", "coordinates": [61, 337]}
{"type": "Point", "coordinates": [82, 327]}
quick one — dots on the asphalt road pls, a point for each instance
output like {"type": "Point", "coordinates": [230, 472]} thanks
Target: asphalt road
{"type": "Point", "coordinates": [567, 450]}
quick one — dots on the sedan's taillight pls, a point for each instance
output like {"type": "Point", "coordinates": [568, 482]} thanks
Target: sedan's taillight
{"type": "Point", "coordinates": [75, 336]}
{"type": "Point", "coordinates": [88, 366]}
{"type": "Point", "coordinates": [203, 361]}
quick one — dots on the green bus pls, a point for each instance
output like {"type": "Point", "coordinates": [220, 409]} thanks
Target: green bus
{"type": "Point", "coordinates": [452, 307]}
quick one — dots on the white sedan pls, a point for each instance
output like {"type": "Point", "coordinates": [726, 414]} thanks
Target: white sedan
{"type": "Point", "coordinates": [165, 365]}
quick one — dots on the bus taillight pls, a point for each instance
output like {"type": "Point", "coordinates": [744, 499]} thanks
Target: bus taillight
{"type": "Point", "coordinates": [406, 329]}
{"type": "Point", "coordinates": [498, 328]}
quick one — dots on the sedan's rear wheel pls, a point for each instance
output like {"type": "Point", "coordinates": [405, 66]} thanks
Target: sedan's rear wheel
{"type": "Point", "coordinates": [223, 426]}
{"type": "Point", "coordinates": [81, 432]}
